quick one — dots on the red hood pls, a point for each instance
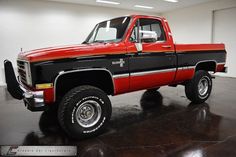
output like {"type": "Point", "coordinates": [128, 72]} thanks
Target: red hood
{"type": "Point", "coordinates": [72, 51]}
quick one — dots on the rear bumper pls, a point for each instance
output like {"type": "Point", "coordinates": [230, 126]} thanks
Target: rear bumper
{"type": "Point", "coordinates": [34, 100]}
{"type": "Point", "coordinates": [225, 70]}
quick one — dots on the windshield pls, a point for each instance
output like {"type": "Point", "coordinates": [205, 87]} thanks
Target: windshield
{"type": "Point", "coordinates": [109, 31]}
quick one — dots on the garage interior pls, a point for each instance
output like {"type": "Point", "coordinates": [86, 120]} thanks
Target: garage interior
{"type": "Point", "coordinates": [143, 123]}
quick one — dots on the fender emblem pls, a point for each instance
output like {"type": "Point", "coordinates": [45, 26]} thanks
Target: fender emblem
{"type": "Point", "coordinates": [121, 62]}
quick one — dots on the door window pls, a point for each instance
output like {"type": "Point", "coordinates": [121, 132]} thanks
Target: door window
{"type": "Point", "coordinates": [150, 30]}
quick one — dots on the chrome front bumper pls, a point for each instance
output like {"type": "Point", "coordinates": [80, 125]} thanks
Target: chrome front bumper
{"type": "Point", "coordinates": [34, 100]}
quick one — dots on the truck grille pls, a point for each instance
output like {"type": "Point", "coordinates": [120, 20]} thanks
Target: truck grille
{"type": "Point", "coordinates": [22, 71]}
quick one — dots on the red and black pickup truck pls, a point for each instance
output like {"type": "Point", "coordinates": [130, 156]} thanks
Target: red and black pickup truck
{"type": "Point", "coordinates": [120, 55]}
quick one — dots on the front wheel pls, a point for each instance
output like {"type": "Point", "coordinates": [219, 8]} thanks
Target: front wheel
{"type": "Point", "coordinates": [84, 112]}
{"type": "Point", "coordinates": [199, 88]}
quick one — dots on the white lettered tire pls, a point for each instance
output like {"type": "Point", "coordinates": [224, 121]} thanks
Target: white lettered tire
{"type": "Point", "coordinates": [199, 88]}
{"type": "Point", "coordinates": [84, 112]}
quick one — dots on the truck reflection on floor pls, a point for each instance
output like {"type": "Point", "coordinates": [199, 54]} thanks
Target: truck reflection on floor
{"type": "Point", "coordinates": [193, 121]}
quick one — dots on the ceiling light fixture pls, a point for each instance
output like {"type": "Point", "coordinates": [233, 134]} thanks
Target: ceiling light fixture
{"type": "Point", "coordinates": [143, 6]}
{"type": "Point", "coordinates": [107, 2]}
{"type": "Point", "coordinates": [173, 1]}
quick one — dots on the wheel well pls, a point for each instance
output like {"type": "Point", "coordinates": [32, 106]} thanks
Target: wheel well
{"type": "Point", "coordinates": [207, 66]}
{"type": "Point", "coordinates": [99, 78]}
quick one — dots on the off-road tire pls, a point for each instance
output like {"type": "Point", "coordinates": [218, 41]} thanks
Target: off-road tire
{"type": "Point", "coordinates": [192, 87]}
{"type": "Point", "coordinates": [73, 104]}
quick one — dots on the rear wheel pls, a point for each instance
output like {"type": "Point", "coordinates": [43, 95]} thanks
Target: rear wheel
{"type": "Point", "coordinates": [84, 111]}
{"type": "Point", "coordinates": [199, 88]}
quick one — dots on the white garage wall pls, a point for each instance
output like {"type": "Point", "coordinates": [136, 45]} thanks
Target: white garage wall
{"type": "Point", "coordinates": [224, 31]}
{"type": "Point", "coordinates": [31, 24]}
{"type": "Point", "coordinates": [195, 25]}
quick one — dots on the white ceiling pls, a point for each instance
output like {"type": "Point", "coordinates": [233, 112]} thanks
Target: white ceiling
{"type": "Point", "coordinates": [159, 5]}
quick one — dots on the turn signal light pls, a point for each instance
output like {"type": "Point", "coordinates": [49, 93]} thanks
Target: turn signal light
{"type": "Point", "coordinates": [44, 86]}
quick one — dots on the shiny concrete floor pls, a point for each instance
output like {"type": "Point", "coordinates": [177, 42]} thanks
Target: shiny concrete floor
{"type": "Point", "coordinates": [143, 124]}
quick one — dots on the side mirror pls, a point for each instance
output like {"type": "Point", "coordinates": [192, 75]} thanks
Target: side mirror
{"type": "Point", "coordinates": [148, 36]}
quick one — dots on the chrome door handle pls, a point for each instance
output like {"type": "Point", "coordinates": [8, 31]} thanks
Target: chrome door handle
{"type": "Point", "coordinates": [166, 46]}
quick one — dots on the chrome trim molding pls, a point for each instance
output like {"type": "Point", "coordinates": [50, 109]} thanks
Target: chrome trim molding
{"type": "Point", "coordinates": [152, 72]}
{"type": "Point", "coordinates": [80, 70]}
{"type": "Point", "coordinates": [186, 68]}
{"type": "Point", "coordinates": [121, 75]}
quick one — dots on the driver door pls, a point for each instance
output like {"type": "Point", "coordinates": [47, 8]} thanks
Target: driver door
{"type": "Point", "coordinates": [154, 62]}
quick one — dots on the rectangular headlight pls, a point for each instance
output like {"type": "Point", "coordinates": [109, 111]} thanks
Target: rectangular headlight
{"type": "Point", "coordinates": [28, 74]}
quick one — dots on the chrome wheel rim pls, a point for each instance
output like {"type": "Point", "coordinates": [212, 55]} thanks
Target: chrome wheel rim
{"type": "Point", "coordinates": [88, 113]}
{"type": "Point", "coordinates": [203, 86]}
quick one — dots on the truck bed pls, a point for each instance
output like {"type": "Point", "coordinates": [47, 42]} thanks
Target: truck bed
{"type": "Point", "coordinates": [189, 56]}
{"type": "Point", "coordinates": [199, 47]}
